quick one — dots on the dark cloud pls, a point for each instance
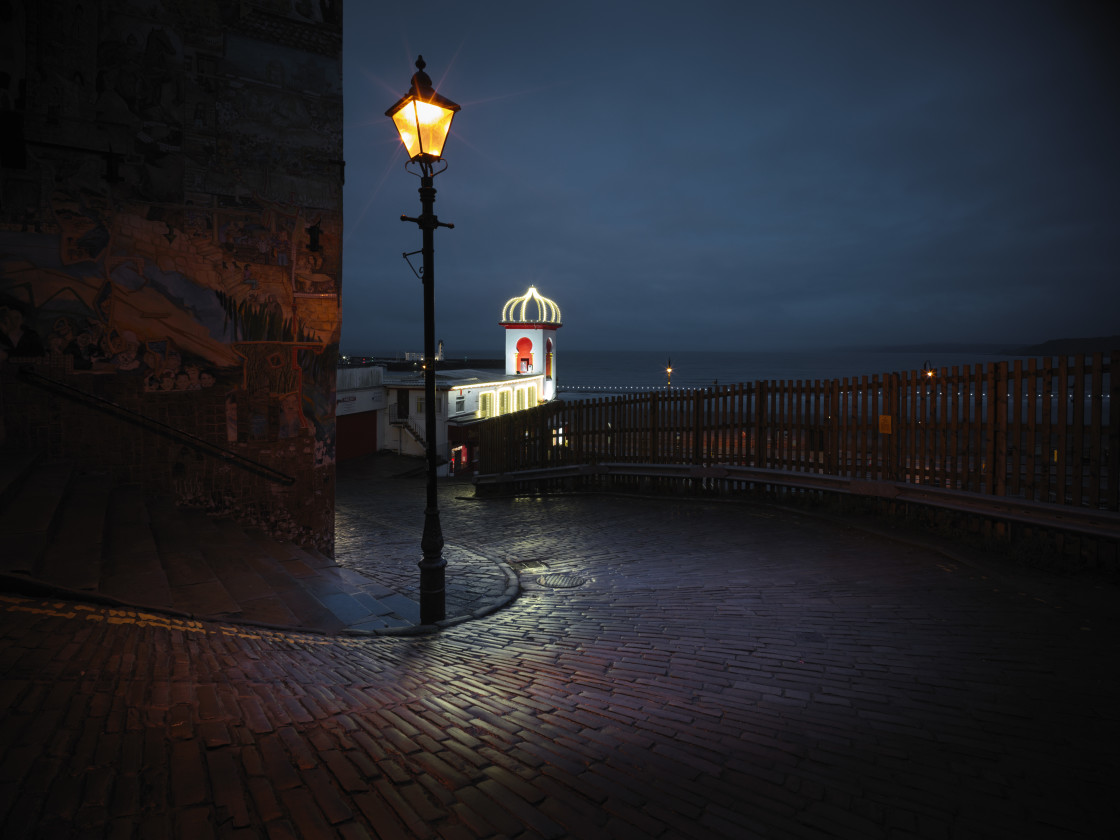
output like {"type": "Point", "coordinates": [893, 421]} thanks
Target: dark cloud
{"type": "Point", "coordinates": [749, 175]}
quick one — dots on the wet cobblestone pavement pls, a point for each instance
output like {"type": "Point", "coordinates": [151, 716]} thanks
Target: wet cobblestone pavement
{"type": "Point", "coordinates": [379, 519]}
{"type": "Point", "coordinates": [669, 669]}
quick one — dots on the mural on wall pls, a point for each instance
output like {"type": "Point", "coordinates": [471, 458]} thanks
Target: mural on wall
{"type": "Point", "coordinates": [170, 202]}
{"type": "Point", "coordinates": [277, 397]}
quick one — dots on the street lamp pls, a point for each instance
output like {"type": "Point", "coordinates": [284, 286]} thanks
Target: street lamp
{"type": "Point", "coordinates": [423, 119]}
{"type": "Point", "coordinates": [928, 372]}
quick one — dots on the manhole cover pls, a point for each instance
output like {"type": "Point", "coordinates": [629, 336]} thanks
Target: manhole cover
{"type": "Point", "coordinates": [559, 580]}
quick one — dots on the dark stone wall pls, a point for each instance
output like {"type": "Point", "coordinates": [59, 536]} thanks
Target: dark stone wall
{"type": "Point", "coordinates": [170, 240]}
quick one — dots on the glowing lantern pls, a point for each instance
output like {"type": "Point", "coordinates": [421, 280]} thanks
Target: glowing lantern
{"type": "Point", "coordinates": [423, 117]}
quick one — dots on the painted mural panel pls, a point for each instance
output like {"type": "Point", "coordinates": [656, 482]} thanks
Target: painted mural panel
{"type": "Point", "coordinates": [171, 209]}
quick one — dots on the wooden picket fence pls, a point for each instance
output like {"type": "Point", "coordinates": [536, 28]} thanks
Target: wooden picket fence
{"type": "Point", "coordinates": [1043, 430]}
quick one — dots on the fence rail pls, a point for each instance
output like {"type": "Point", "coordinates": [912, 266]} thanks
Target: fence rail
{"type": "Point", "coordinates": [1044, 430]}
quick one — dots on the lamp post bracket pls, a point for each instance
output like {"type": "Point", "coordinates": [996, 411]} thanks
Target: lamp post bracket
{"type": "Point", "coordinates": [419, 274]}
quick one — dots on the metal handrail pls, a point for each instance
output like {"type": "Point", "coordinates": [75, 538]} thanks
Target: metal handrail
{"type": "Point", "coordinates": [151, 424]}
{"type": "Point", "coordinates": [417, 435]}
{"type": "Point", "coordinates": [407, 424]}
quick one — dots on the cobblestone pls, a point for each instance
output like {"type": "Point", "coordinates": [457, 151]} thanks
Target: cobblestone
{"type": "Point", "coordinates": [726, 671]}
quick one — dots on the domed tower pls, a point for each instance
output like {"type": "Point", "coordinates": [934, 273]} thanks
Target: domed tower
{"type": "Point", "coordinates": [531, 322]}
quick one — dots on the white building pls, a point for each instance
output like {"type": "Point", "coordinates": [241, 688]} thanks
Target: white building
{"type": "Point", "coordinates": [466, 396]}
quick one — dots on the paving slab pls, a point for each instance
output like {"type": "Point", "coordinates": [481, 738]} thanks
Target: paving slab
{"type": "Point", "coordinates": [208, 597]}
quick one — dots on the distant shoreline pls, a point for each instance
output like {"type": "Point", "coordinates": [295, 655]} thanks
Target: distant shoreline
{"type": "Point", "coordinates": [397, 364]}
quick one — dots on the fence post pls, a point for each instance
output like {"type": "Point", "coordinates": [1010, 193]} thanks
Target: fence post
{"type": "Point", "coordinates": [761, 431]}
{"type": "Point", "coordinates": [542, 436]}
{"type": "Point", "coordinates": [889, 409]}
{"type": "Point", "coordinates": [1077, 448]}
{"type": "Point", "coordinates": [999, 461]}
{"type": "Point", "coordinates": [829, 427]}
{"type": "Point", "coordinates": [697, 409]}
{"type": "Point", "coordinates": [1112, 447]}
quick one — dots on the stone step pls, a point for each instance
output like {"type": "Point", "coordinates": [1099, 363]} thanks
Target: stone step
{"type": "Point", "coordinates": [246, 571]}
{"type": "Point", "coordinates": [132, 569]}
{"type": "Point", "coordinates": [242, 573]}
{"type": "Point", "coordinates": [73, 557]}
{"type": "Point", "coordinates": [285, 551]}
{"type": "Point", "coordinates": [80, 532]}
{"type": "Point", "coordinates": [15, 466]}
{"type": "Point", "coordinates": [195, 588]}
{"type": "Point", "coordinates": [28, 517]}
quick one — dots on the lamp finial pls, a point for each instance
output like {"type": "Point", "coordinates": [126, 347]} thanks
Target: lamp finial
{"type": "Point", "coordinates": [421, 81]}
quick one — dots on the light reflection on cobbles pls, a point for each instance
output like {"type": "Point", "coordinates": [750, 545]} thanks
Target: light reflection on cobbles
{"type": "Point", "coordinates": [379, 517]}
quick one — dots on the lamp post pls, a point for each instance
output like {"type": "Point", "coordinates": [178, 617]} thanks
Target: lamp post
{"type": "Point", "coordinates": [423, 119]}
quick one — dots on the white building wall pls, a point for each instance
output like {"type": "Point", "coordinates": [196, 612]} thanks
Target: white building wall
{"type": "Point", "coordinates": [540, 336]}
{"type": "Point", "coordinates": [359, 389]}
{"type": "Point", "coordinates": [395, 437]}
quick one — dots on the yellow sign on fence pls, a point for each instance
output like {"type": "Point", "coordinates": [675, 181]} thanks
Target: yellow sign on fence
{"type": "Point", "coordinates": [884, 424]}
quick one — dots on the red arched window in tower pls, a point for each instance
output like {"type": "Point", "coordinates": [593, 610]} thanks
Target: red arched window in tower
{"type": "Point", "coordinates": [524, 355]}
{"type": "Point", "coordinates": [548, 358]}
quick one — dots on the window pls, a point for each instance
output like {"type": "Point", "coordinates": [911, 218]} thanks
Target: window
{"type": "Point", "coordinates": [520, 399]}
{"type": "Point", "coordinates": [419, 405]}
{"type": "Point", "coordinates": [532, 395]}
{"type": "Point", "coordinates": [460, 404]}
{"type": "Point", "coordinates": [486, 404]}
{"type": "Point", "coordinates": [504, 400]}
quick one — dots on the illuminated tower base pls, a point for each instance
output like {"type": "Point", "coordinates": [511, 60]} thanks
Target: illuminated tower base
{"type": "Point", "coordinates": [531, 322]}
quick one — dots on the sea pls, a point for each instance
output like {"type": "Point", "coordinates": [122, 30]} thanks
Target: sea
{"type": "Point", "coordinates": [582, 373]}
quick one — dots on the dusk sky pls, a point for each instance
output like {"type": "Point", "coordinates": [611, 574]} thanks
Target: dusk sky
{"type": "Point", "coordinates": [741, 175]}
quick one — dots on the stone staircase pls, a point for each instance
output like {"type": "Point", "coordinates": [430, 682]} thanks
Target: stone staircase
{"type": "Point", "coordinates": [69, 532]}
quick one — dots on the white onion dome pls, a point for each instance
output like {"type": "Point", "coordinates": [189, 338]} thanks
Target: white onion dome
{"type": "Point", "coordinates": [531, 308]}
